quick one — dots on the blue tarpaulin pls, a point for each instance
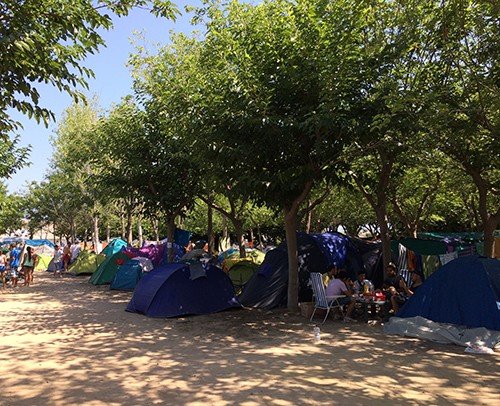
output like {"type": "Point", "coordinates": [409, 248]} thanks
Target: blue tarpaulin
{"type": "Point", "coordinates": [39, 243]}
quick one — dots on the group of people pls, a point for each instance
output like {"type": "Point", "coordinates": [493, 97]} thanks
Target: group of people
{"type": "Point", "coordinates": [63, 258]}
{"type": "Point", "coordinates": [395, 290]}
{"type": "Point", "coordinates": [18, 262]}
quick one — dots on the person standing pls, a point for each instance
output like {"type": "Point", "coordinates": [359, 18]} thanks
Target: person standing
{"type": "Point", "coordinates": [58, 263]}
{"type": "Point", "coordinates": [15, 261]}
{"type": "Point", "coordinates": [28, 261]}
{"type": "Point", "coordinates": [3, 269]}
{"type": "Point", "coordinates": [66, 258]}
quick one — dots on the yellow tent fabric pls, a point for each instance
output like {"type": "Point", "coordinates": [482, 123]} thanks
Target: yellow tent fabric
{"type": "Point", "coordinates": [43, 262]}
{"type": "Point", "coordinates": [86, 263]}
{"type": "Point", "coordinates": [255, 256]}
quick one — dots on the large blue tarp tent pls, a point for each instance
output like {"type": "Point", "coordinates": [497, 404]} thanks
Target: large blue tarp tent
{"type": "Point", "coordinates": [316, 253]}
{"type": "Point", "coordinates": [127, 276]}
{"type": "Point", "coordinates": [465, 291]}
{"type": "Point", "coordinates": [173, 290]}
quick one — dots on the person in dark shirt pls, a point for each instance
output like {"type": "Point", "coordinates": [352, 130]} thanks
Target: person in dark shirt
{"type": "Point", "coordinates": [392, 278]}
{"type": "Point", "coordinates": [398, 300]}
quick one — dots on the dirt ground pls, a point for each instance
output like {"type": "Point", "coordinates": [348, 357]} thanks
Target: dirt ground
{"type": "Point", "coordinates": [66, 342]}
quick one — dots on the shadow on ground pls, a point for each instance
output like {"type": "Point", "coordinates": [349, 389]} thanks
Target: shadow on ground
{"type": "Point", "coordinates": [65, 341]}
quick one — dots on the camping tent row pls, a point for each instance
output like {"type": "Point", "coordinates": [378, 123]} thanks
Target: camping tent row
{"type": "Point", "coordinates": [268, 286]}
{"type": "Point", "coordinates": [120, 271]}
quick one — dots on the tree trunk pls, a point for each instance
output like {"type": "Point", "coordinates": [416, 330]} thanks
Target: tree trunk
{"type": "Point", "coordinates": [156, 230]}
{"type": "Point", "coordinates": [210, 229]}
{"type": "Point", "coordinates": [381, 213]}
{"type": "Point", "coordinates": [73, 230]}
{"type": "Point", "coordinates": [122, 222]}
{"type": "Point", "coordinates": [489, 221]}
{"type": "Point", "coordinates": [108, 233]}
{"type": "Point", "coordinates": [139, 230]}
{"type": "Point", "coordinates": [238, 225]}
{"type": "Point", "coordinates": [225, 235]}
{"type": "Point", "coordinates": [309, 220]}
{"type": "Point", "coordinates": [379, 203]}
{"type": "Point", "coordinates": [85, 238]}
{"type": "Point", "coordinates": [170, 237]}
{"type": "Point", "coordinates": [259, 235]}
{"type": "Point", "coordinates": [293, 272]}
{"type": "Point", "coordinates": [129, 231]}
{"type": "Point", "coordinates": [95, 233]}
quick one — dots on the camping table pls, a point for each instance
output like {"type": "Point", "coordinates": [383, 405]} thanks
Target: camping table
{"type": "Point", "coordinates": [369, 302]}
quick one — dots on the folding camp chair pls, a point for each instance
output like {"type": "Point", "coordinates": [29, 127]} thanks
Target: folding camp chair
{"type": "Point", "coordinates": [322, 301]}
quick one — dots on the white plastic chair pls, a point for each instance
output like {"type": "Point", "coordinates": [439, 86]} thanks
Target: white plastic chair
{"type": "Point", "coordinates": [322, 301]}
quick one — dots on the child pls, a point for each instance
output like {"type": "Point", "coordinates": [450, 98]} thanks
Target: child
{"type": "Point", "coordinates": [3, 269]}
{"type": "Point", "coordinates": [15, 256]}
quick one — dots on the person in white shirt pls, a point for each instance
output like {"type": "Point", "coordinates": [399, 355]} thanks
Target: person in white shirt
{"type": "Point", "coordinates": [360, 283]}
{"type": "Point", "coordinates": [338, 287]}
{"type": "Point", "coordinates": [58, 263]}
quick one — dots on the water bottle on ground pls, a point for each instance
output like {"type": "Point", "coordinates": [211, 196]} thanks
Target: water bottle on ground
{"type": "Point", "coordinates": [317, 334]}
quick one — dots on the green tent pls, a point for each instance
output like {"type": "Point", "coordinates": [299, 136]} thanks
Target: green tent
{"type": "Point", "coordinates": [43, 262]}
{"type": "Point", "coordinates": [113, 247]}
{"type": "Point", "coordinates": [255, 256]}
{"type": "Point", "coordinates": [106, 271]}
{"type": "Point", "coordinates": [241, 272]}
{"type": "Point", "coordinates": [86, 263]}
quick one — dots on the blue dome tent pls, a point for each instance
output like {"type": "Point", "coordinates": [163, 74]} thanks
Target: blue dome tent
{"type": "Point", "coordinates": [113, 247]}
{"type": "Point", "coordinates": [127, 276]}
{"type": "Point", "coordinates": [175, 289]}
{"type": "Point", "coordinates": [465, 292]}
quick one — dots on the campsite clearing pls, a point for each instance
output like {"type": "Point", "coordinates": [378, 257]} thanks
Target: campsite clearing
{"type": "Point", "coordinates": [65, 342]}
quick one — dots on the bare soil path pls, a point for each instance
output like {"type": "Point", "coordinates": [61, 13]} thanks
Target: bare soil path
{"type": "Point", "coordinates": [66, 342]}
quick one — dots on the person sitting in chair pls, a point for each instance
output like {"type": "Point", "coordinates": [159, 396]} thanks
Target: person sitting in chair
{"type": "Point", "coordinates": [338, 287]}
{"type": "Point", "coordinates": [398, 300]}
{"type": "Point", "coordinates": [330, 275]}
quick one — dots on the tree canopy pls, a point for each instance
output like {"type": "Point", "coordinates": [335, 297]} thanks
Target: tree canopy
{"type": "Point", "coordinates": [46, 42]}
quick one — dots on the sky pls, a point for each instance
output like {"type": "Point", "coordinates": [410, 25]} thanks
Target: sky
{"type": "Point", "coordinates": [112, 81]}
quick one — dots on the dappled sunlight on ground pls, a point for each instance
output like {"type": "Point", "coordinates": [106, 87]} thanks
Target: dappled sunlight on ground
{"type": "Point", "coordinates": [65, 341]}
